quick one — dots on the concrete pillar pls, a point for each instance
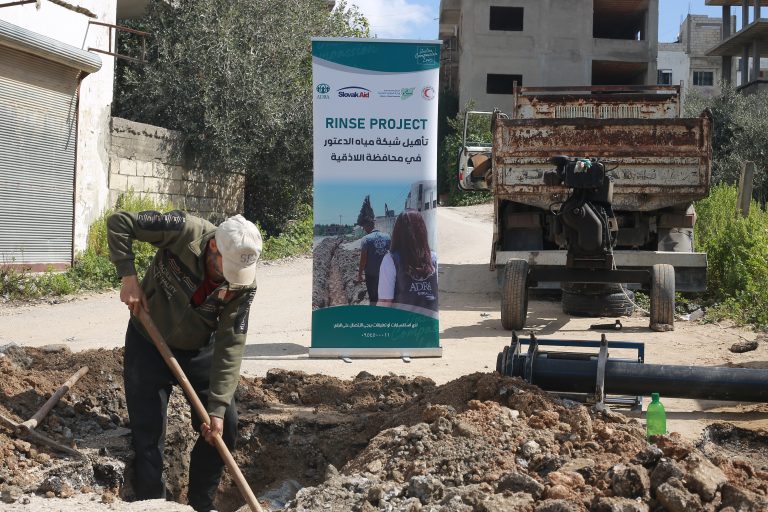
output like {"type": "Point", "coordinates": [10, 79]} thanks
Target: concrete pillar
{"type": "Point", "coordinates": [744, 13]}
{"type": "Point", "coordinates": [727, 60]}
{"type": "Point", "coordinates": [755, 60]}
{"type": "Point", "coordinates": [757, 10]}
{"type": "Point", "coordinates": [726, 21]}
{"type": "Point", "coordinates": [745, 65]}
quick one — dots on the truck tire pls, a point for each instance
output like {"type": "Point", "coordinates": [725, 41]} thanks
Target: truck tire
{"type": "Point", "coordinates": [662, 297]}
{"type": "Point", "coordinates": [595, 299]}
{"type": "Point", "coordinates": [514, 295]}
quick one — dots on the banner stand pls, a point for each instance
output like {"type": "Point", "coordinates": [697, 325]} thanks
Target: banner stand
{"type": "Point", "coordinates": [381, 353]}
{"type": "Point", "coordinates": [375, 259]}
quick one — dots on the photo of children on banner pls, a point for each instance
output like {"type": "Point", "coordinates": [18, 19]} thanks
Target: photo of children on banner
{"type": "Point", "coordinates": [373, 246]}
{"type": "Point", "coordinates": [408, 273]}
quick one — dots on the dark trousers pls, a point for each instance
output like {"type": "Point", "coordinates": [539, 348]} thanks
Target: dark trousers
{"type": "Point", "coordinates": [148, 383]}
{"type": "Point", "coordinates": [372, 285]}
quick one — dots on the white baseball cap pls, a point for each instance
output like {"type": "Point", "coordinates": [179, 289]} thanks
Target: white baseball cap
{"type": "Point", "coordinates": [239, 243]}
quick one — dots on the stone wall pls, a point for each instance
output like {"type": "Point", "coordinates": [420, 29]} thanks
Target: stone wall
{"type": "Point", "coordinates": [154, 161]}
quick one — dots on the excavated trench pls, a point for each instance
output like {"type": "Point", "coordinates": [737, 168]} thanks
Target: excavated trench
{"type": "Point", "coordinates": [312, 442]}
{"type": "Point", "coordinates": [335, 273]}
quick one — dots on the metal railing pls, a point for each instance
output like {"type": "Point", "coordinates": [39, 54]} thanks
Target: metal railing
{"type": "Point", "coordinates": [120, 28]}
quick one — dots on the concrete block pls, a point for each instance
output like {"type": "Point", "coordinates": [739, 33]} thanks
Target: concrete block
{"type": "Point", "coordinates": [175, 172]}
{"type": "Point", "coordinates": [154, 185]}
{"type": "Point", "coordinates": [179, 201]}
{"type": "Point", "coordinates": [160, 170]}
{"type": "Point", "coordinates": [118, 182]}
{"type": "Point", "coordinates": [144, 168]}
{"type": "Point", "coordinates": [127, 167]}
{"type": "Point", "coordinates": [174, 186]}
{"type": "Point", "coordinates": [136, 183]}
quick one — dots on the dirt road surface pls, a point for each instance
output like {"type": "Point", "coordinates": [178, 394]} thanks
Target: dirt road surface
{"type": "Point", "coordinates": [383, 434]}
{"type": "Point", "coordinates": [470, 328]}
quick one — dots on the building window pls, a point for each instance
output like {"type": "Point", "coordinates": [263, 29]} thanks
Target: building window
{"type": "Point", "coordinates": [506, 18]}
{"type": "Point", "coordinates": [502, 84]}
{"type": "Point", "coordinates": [664, 77]}
{"type": "Point", "coordinates": [703, 78]}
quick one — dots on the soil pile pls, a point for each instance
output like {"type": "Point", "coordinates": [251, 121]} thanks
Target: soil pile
{"type": "Point", "coordinates": [479, 443]}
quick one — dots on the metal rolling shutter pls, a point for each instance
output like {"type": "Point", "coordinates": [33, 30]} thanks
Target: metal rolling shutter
{"type": "Point", "coordinates": [38, 137]}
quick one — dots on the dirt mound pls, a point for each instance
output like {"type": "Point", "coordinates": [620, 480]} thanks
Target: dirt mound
{"type": "Point", "coordinates": [479, 443]}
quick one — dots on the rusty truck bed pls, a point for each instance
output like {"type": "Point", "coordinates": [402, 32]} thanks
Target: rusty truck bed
{"type": "Point", "coordinates": [656, 162]}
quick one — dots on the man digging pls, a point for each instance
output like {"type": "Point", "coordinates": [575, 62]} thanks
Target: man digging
{"type": "Point", "coordinates": [198, 290]}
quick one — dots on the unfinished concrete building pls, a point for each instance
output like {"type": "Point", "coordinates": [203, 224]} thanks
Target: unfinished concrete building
{"type": "Point", "coordinates": [490, 44]}
{"type": "Point", "coordinates": [749, 43]}
{"type": "Point", "coordinates": [686, 61]}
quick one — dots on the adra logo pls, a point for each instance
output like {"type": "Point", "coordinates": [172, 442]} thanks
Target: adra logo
{"type": "Point", "coordinates": [322, 91]}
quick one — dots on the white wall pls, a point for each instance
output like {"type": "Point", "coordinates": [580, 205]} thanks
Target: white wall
{"type": "Point", "coordinates": [92, 168]}
{"type": "Point", "coordinates": [678, 62]}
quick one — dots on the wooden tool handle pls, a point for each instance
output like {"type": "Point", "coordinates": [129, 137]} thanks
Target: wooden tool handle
{"type": "Point", "coordinates": [197, 405]}
{"type": "Point", "coordinates": [47, 406]}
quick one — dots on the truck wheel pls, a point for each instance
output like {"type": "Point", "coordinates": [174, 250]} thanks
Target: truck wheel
{"type": "Point", "coordinates": [662, 297]}
{"type": "Point", "coordinates": [594, 299]}
{"type": "Point", "coordinates": [514, 295]}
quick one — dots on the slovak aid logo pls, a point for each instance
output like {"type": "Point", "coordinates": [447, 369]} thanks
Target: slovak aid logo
{"type": "Point", "coordinates": [428, 93]}
{"type": "Point", "coordinates": [406, 92]}
{"type": "Point", "coordinates": [354, 92]}
{"type": "Point", "coordinates": [322, 91]}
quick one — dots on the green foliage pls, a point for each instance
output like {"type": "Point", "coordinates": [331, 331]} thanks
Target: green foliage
{"type": "Point", "coordinates": [737, 252]}
{"type": "Point", "coordinates": [366, 215]}
{"type": "Point", "coordinates": [739, 134]}
{"type": "Point", "coordinates": [478, 132]}
{"type": "Point", "coordinates": [236, 77]}
{"type": "Point", "coordinates": [295, 239]}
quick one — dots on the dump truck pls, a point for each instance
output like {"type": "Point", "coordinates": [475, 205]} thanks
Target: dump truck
{"type": "Point", "coordinates": [593, 192]}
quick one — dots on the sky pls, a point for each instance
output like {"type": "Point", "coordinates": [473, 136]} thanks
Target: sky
{"type": "Point", "coordinates": [333, 199]}
{"type": "Point", "coordinates": [418, 19]}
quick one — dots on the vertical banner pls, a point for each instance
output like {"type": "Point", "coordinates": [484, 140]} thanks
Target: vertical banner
{"type": "Point", "coordinates": [375, 170]}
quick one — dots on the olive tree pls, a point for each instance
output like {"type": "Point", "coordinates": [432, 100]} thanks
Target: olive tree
{"type": "Point", "coordinates": [739, 134]}
{"type": "Point", "coordinates": [236, 77]}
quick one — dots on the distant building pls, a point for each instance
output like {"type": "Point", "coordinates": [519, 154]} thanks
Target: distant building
{"type": "Point", "coordinates": [488, 46]}
{"type": "Point", "coordinates": [423, 196]}
{"type": "Point", "coordinates": [743, 48]}
{"type": "Point", "coordinates": [686, 61]}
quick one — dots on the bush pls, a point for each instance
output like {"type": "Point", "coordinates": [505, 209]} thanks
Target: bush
{"type": "Point", "coordinates": [448, 150]}
{"type": "Point", "coordinates": [739, 134]}
{"type": "Point", "coordinates": [737, 252]}
{"type": "Point", "coordinates": [296, 239]}
{"type": "Point", "coordinates": [94, 271]}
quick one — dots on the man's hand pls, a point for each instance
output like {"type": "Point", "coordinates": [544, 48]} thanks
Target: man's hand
{"type": "Point", "coordinates": [215, 429]}
{"type": "Point", "coordinates": [132, 295]}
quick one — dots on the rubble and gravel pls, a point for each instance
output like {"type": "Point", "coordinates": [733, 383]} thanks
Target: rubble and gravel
{"type": "Point", "coordinates": [313, 442]}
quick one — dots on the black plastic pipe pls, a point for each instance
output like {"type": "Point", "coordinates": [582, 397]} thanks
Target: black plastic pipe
{"type": "Point", "coordinates": [575, 375]}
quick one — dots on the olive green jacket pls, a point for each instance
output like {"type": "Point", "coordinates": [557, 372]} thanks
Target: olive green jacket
{"type": "Point", "coordinates": [176, 271]}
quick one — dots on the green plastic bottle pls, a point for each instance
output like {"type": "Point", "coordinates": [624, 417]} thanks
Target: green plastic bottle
{"type": "Point", "coordinates": [655, 417]}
